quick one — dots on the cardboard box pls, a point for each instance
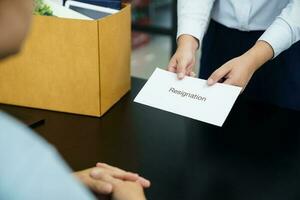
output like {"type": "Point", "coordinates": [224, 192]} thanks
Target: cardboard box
{"type": "Point", "coordinates": [74, 66]}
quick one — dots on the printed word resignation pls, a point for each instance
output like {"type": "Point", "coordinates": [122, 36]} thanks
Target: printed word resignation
{"type": "Point", "coordinates": [186, 94]}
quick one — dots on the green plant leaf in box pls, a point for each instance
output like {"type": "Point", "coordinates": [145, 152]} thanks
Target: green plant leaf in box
{"type": "Point", "coordinates": [40, 8]}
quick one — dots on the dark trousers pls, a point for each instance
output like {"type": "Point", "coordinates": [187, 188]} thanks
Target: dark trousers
{"type": "Point", "coordinates": [276, 82]}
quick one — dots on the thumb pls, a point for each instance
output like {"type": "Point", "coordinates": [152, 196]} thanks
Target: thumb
{"type": "Point", "coordinates": [100, 187]}
{"type": "Point", "coordinates": [172, 64]}
{"type": "Point", "coordinates": [218, 74]}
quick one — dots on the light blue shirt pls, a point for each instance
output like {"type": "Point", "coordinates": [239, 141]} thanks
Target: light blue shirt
{"type": "Point", "coordinates": [280, 19]}
{"type": "Point", "coordinates": [31, 169]}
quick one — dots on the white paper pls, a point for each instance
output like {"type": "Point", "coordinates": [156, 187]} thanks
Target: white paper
{"type": "Point", "coordinates": [63, 12]}
{"type": "Point", "coordinates": [190, 97]}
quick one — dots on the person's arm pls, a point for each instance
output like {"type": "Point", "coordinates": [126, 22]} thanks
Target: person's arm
{"type": "Point", "coordinates": [239, 70]}
{"type": "Point", "coordinates": [193, 18]}
{"type": "Point", "coordinates": [283, 32]}
{"type": "Point", "coordinates": [31, 169]}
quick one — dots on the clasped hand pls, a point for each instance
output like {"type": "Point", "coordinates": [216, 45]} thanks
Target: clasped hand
{"type": "Point", "coordinates": [105, 179]}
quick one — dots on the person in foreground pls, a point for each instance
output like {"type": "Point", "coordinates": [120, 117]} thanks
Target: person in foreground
{"type": "Point", "coordinates": [30, 167]}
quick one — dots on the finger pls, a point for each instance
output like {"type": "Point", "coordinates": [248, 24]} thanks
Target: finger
{"type": "Point", "coordinates": [218, 74]}
{"type": "Point", "coordinates": [181, 70]}
{"type": "Point", "coordinates": [116, 169]}
{"type": "Point", "coordinates": [125, 176]}
{"type": "Point", "coordinates": [115, 172]}
{"type": "Point", "coordinates": [190, 69]}
{"type": "Point", "coordinates": [172, 65]}
{"type": "Point", "coordinates": [192, 74]}
{"type": "Point", "coordinates": [121, 174]}
{"type": "Point", "coordinates": [172, 69]}
{"type": "Point", "coordinates": [106, 166]}
{"type": "Point", "coordinates": [101, 187]}
{"type": "Point", "coordinates": [103, 175]}
{"type": "Point", "coordinates": [144, 182]}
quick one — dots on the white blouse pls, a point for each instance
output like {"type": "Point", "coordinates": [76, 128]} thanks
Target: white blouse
{"type": "Point", "coordinates": [279, 18]}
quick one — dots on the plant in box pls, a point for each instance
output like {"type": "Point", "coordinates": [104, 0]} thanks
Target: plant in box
{"type": "Point", "coordinates": [40, 8]}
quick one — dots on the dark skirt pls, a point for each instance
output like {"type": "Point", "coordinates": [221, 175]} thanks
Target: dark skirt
{"type": "Point", "coordinates": [276, 82]}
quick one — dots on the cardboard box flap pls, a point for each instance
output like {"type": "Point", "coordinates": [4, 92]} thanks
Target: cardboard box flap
{"type": "Point", "coordinates": [115, 47]}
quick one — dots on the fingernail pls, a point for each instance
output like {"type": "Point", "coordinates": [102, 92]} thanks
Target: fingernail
{"type": "Point", "coordinates": [193, 74]}
{"type": "Point", "coordinates": [180, 75]}
{"type": "Point", "coordinates": [210, 81]}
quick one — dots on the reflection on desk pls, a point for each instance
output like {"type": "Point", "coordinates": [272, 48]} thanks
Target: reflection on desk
{"type": "Point", "coordinates": [255, 156]}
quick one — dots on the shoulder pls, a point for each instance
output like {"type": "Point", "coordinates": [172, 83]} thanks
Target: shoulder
{"type": "Point", "coordinates": [14, 134]}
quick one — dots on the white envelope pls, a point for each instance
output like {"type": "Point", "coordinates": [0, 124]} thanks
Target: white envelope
{"type": "Point", "coordinates": [190, 97]}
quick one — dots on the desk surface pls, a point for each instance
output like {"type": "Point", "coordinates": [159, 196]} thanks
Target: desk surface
{"type": "Point", "coordinates": [255, 156]}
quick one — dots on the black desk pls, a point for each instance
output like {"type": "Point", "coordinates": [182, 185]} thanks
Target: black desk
{"type": "Point", "coordinates": [255, 156]}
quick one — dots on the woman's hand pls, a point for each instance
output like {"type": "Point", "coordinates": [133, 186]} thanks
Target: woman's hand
{"type": "Point", "coordinates": [239, 70]}
{"type": "Point", "coordinates": [100, 178]}
{"type": "Point", "coordinates": [183, 61]}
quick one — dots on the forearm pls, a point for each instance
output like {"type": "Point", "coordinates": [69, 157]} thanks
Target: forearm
{"type": "Point", "coordinates": [259, 54]}
{"type": "Point", "coordinates": [193, 17]}
{"type": "Point", "coordinates": [188, 42]}
{"type": "Point", "coordinates": [285, 30]}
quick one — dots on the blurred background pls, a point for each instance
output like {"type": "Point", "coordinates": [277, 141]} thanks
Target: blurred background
{"type": "Point", "coordinates": [154, 24]}
{"type": "Point", "coordinates": [154, 29]}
